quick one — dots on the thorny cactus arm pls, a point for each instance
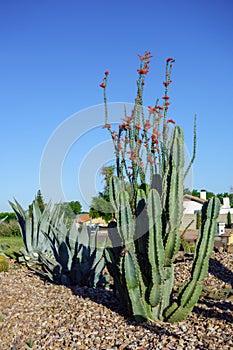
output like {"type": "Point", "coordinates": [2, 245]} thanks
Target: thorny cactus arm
{"type": "Point", "coordinates": [189, 294]}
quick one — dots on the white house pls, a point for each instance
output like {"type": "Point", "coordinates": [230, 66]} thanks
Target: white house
{"type": "Point", "coordinates": [225, 207]}
{"type": "Point", "coordinates": [193, 204]}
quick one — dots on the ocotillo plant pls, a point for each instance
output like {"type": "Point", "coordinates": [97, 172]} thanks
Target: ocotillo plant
{"type": "Point", "coordinates": [146, 234]}
{"type": "Point", "coordinates": [142, 140]}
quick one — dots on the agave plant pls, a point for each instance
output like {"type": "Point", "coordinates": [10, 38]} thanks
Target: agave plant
{"type": "Point", "coordinates": [33, 228]}
{"type": "Point", "coordinates": [77, 260]}
{"type": "Point", "coordinates": [65, 255]}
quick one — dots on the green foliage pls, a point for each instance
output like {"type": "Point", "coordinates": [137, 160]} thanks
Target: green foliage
{"type": "Point", "coordinates": [40, 202]}
{"type": "Point", "coordinates": [229, 221]}
{"type": "Point", "coordinates": [188, 247]}
{"type": "Point", "coordinates": [75, 207]}
{"type": "Point", "coordinates": [30, 343]}
{"type": "Point", "coordinates": [195, 193]}
{"type": "Point", "coordinates": [14, 244]}
{"type": "Point", "coordinates": [9, 228]}
{"type": "Point", "coordinates": [198, 220]}
{"type": "Point", "coordinates": [70, 209]}
{"type": "Point", "coordinates": [7, 216]}
{"type": "Point", "coordinates": [4, 263]}
{"type": "Point", "coordinates": [209, 195]}
{"type": "Point", "coordinates": [231, 199]}
{"type": "Point", "coordinates": [101, 206]}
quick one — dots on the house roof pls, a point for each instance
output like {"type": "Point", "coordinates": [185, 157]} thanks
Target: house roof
{"type": "Point", "coordinates": [189, 197]}
{"type": "Point", "coordinates": [82, 218]}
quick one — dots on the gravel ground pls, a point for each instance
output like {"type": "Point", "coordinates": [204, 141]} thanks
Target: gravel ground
{"type": "Point", "coordinates": [39, 315]}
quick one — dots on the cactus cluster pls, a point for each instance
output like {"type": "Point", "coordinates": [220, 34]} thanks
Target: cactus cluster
{"type": "Point", "coordinates": [64, 255]}
{"type": "Point", "coordinates": [147, 239]}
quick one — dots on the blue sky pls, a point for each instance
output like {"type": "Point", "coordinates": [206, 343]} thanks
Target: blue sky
{"type": "Point", "coordinates": [54, 53]}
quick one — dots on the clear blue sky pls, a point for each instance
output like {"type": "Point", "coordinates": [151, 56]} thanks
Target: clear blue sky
{"type": "Point", "coordinates": [54, 53]}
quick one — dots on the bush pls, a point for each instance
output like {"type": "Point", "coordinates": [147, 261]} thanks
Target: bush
{"type": "Point", "coordinates": [198, 222]}
{"type": "Point", "coordinates": [229, 221]}
{"type": "Point", "coordinates": [4, 263]}
{"type": "Point", "coordinates": [9, 229]}
{"type": "Point", "coordinates": [7, 216]}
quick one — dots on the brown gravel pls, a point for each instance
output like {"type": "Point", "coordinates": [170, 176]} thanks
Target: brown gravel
{"type": "Point", "coordinates": [39, 315]}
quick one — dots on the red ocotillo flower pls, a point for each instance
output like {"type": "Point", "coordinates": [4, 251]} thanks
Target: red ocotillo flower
{"type": "Point", "coordinates": [151, 110]}
{"type": "Point", "coordinates": [171, 121]}
{"type": "Point", "coordinates": [170, 60]}
{"type": "Point", "coordinates": [142, 71]}
{"type": "Point", "coordinates": [159, 108]}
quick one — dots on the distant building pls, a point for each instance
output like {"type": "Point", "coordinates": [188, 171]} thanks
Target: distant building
{"type": "Point", "coordinates": [225, 207]}
{"type": "Point", "coordinates": [85, 218]}
{"type": "Point", "coordinates": [82, 218]}
{"type": "Point", "coordinates": [192, 204]}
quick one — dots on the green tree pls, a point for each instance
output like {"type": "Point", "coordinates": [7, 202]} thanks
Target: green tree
{"type": "Point", "coordinates": [229, 221]}
{"type": "Point", "coordinates": [195, 193]}
{"type": "Point", "coordinates": [101, 206]}
{"type": "Point", "coordinates": [40, 201]}
{"type": "Point", "coordinates": [209, 195]}
{"type": "Point", "coordinates": [198, 221]}
{"type": "Point", "coordinates": [231, 199]}
{"type": "Point", "coordinates": [71, 209]}
{"type": "Point", "coordinates": [76, 207]}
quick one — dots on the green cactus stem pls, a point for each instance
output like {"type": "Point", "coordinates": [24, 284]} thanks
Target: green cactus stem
{"type": "Point", "coordinates": [190, 292]}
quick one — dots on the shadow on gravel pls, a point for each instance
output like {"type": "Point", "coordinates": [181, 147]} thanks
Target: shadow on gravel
{"type": "Point", "coordinates": [107, 299]}
{"type": "Point", "coordinates": [212, 312]}
{"type": "Point", "coordinates": [220, 271]}
{"type": "Point", "coordinates": [100, 296]}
